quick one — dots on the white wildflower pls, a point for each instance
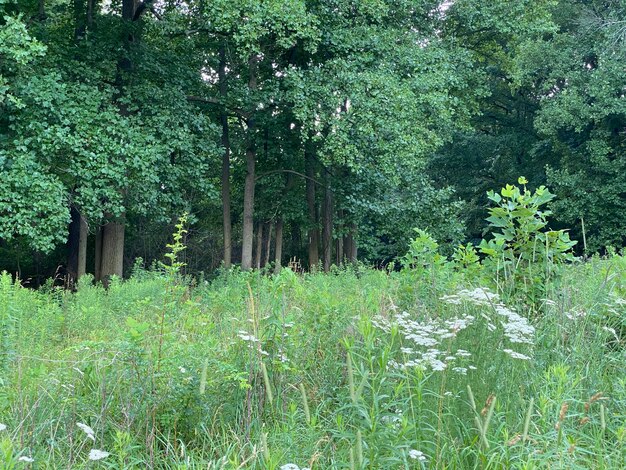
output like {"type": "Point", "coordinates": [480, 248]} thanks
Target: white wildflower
{"type": "Point", "coordinates": [417, 455]}
{"type": "Point", "coordinates": [247, 337]}
{"type": "Point", "coordinates": [3, 427]}
{"type": "Point", "coordinates": [289, 466]}
{"type": "Point", "coordinates": [182, 370]}
{"type": "Point", "coordinates": [96, 454]}
{"type": "Point", "coordinates": [516, 355]}
{"type": "Point", "coordinates": [87, 430]}
{"type": "Point", "coordinates": [26, 459]}
{"type": "Point", "coordinates": [460, 370]}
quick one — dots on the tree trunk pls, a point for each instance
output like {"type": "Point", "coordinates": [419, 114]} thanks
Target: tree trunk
{"type": "Point", "coordinates": [327, 229]}
{"type": "Point", "coordinates": [227, 224]}
{"type": "Point", "coordinates": [309, 162]}
{"type": "Point", "coordinates": [112, 256]}
{"type": "Point", "coordinates": [98, 255]}
{"type": "Point", "coordinates": [248, 194]}
{"type": "Point", "coordinates": [82, 248]}
{"type": "Point", "coordinates": [259, 245]}
{"type": "Point", "coordinates": [73, 246]}
{"type": "Point", "coordinates": [340, 250]}
{"type": "Point", "coordinates": [351, 252]}
{"type": "Point", "coordinates": [278, 246]}
{"type": "Point", "coordinates": [268, 244]}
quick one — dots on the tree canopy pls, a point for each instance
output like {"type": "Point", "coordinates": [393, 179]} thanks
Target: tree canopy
{"type": "Point", "coordinates": [320, 130]}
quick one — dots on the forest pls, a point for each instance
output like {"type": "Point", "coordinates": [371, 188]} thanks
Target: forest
{"type": "Point", "coordinates": [320, 131]}
{"type": "Point", "coordinates": [313, 234]}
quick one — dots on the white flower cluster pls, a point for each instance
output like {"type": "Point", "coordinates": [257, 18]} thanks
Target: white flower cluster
{"type": "Point", "coordinates": [423, 338]}
{"type": "Point", "coordinates": [417, 455]}
{"type": "Point", "coordinates": [516, 328]}
{"type": "Point", "coordinates": [292, 466]}
{"type": "Point", "coordinates": [94, 454]}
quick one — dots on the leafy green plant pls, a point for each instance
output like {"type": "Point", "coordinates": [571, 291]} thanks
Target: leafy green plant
{"type": "Point", "coordinates": [523, 252]}
{"type": "Point", "coordinates": [423, 252]}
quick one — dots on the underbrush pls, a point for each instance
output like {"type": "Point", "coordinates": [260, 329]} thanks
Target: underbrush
{"type": "Point", "coordinates": [354, 369]}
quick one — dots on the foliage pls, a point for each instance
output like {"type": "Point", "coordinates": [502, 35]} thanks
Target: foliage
{"type": "Point", "coordinates": [381, 365]}
{"type": "Point", "coordinates": [523, 250]}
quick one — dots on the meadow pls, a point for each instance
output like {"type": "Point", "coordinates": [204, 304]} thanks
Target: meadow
{"type": "Point", "coordinates": [429, 366]}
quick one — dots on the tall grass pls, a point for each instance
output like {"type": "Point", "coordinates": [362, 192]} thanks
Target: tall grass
{"type": "Point", "coordinates": [357, 369]}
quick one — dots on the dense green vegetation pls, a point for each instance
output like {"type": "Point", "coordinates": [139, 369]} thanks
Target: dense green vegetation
{"type": "Point", "coordinates": [426, 319]}
{"type": "Point", "coordinates": [324, 130]}
{"type": "Point", "coordinates": [422, 368]}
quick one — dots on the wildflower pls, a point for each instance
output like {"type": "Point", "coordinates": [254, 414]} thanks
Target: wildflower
{"type": "Point", "coordinates": [3, 427]}
{"type": "Point", "coordinates": [247, 337]}
{"type": "Point", "coordinates": [182, 370]}
{"type": "Point", "coordinates": [87, 430]}
{"type": "Point", "coordinates": [417, 455]}
{"type": "Point", "coordinates": [516, 355]}
{"type": "Point", "coordinates": [289, 466]}
{"type": "Point", "coordinates": [96, 454]}
{"type": "Point", "coordinates": [26, 459]}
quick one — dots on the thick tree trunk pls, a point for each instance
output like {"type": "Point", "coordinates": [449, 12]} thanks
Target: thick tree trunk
{"type": "Point", "coordinates": [259, 245]}
{"type": "Point", "coordinates": [98, 255]}
{"type": "Point", "coordinates": [248, 194]}
{"type": "Point", "coordinates": [278, 246]}
{"type": "Point", "coordinates": [227, 224]}
{"type": "Point", "coordinates": [327, 229]}
{"type": "Point", "coordinates": [112, 255]}
{"type": "Point", "coordinates": [313, 235]}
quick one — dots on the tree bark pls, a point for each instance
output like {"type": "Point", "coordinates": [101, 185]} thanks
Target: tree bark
{"type": "Point", "coordinates": [72, 246]}
{"type": "Point", "coordinates": [313, 235]}
{"type": "Point", "coordinates": [340, 250]}
{"type": "Point", "coordinates": [82, 248]}
{"type": "Point", "coordinates": [112, 256]}
{"type": "Point", "coordinates": [327, 229]}
{"type": "Point", "coordinates": [227, 224]}
{"type": "Point", "coordinates": [248, 195]}
{"type": "Point", "coordinates": [351, 251]}
{"type": "Point", "coordinates": [278, 246]}
{"type": "Point", "coordinates": [259, 245]}
{"type": "Point", "coordinates": [268, 244]}
{"type": "Point", "coordinates": [98, 255]}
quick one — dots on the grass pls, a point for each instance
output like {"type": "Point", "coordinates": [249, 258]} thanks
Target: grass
{"type": "Point", "coordinates": [320, 371]}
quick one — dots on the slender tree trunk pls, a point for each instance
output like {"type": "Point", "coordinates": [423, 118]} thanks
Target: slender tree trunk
{"type": "Point", "coordinates": [278, 246]}
{"type": "Point", "coordinates": [259, 245]}
{"type": "Point", "coordinates": [112, 256]}
{"type": "Point", "coordinates": [268, 243]}
{"type": "Point", "coordinates": [352, 244]}
{"type": "Point", "coordinates": [340, 250]}
{"type": "Point", "coordinates": [82, 248]}
{"type": "Point", "coordinates": [90, 11]}
{"type": "Point", "coordinates": [327, 229]}
{"type": "Point", "coordinates": [314, 257]}
{"type": "Point", "coordinates": [227, 224]}
{"type": "Point", "coordinates": [248, 195]}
